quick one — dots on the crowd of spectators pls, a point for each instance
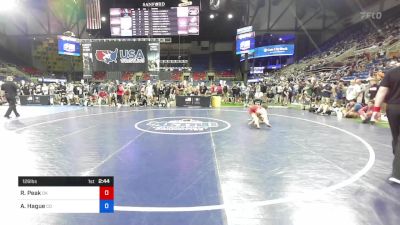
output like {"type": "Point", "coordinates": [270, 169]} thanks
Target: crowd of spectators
{"type": "Point", "coordinates": [320, 92]}
{"type": "Point", "coordinates": [318, 83]}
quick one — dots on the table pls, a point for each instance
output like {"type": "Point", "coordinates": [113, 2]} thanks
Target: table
{"type": "Point", "coordinates": [34, 99]}
{"type": "Point", "coordinates": [203, 101]}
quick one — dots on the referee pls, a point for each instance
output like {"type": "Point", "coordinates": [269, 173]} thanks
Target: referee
{"type": "Point", "coordinates": [389, 91]}
{"type": "Point", "coordinates": [10, 89]}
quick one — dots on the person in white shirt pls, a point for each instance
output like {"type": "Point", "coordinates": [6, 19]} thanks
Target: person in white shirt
{"type": "Point", "coordinates": [242, 92]}
{"type": "Point", "coordinates": [45, 89]}
{"type": "Point", "coordinates": [360, 90]}
{"type": "Point", "coordinates": [279, 93]}
{"type": "Point", "coordinates": [353, 91]}
{"type": "Point", "coordinates": [149, 93]}
{"type": "Point", "coordinates": [258, 94]}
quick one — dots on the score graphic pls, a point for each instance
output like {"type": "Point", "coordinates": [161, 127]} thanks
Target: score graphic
{"type": "Point", "coordinates": [106, 199]}
{"type": "Point", "coordinates": [66, 194]}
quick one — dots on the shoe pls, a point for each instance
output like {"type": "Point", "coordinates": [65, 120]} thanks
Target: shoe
{"type": "Point", "coordinates": [268, 125]}
{"type": "Point", "coordinates": [17, 115]}
{"type": "Point", "coordinates": [394, 180]}
{"type": "Point", "coordinates": [8, 117]}
{"type": "Point", "coordinates": [339, 115]}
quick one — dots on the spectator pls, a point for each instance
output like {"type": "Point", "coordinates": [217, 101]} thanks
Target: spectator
{"type": "Point", "coordinates": [353, 91]}
{"type": "Point", "coordinates": [366, 112]}
{"type": "Point", "coordinates": [203, 89]}
{"type": "Point", "coordinates": [373, 88]}
{"type": "Point", "coordinates": [351, 109]}
{"type": "Point", "coordinates": [235, 92]}
{"type": "Point", "coordinates": [120, 93]}
{"type": "Point", "coordinates": [219, 90]}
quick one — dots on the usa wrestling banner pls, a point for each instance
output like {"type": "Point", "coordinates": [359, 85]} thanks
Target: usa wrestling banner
{"type": "Point", "coordinates": [120, 56]}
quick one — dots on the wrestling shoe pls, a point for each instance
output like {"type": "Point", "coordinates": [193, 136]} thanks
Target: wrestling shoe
{"type": "Point", "coordinates": [394, 180]}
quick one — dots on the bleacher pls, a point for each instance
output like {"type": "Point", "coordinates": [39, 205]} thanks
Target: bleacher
{"type": "Point", "coordinates": [200, 63]}
{"type": "Point", "coordinates": [127, 76]}
{"type": "Point", "coordinates": [176, 75]}
{"type": "Point", "coordinates": [199, 76]}
{"type": "Point", "coordinates": [339, 56]}
{"type": "Point", "coordinates": [222, 61]}
{"type": "Point", "coordinates": [99, 76]}
{"type": "Point", "coordinates": [225, 74]}
{"type": "Point", "coordinates": [31, 71]}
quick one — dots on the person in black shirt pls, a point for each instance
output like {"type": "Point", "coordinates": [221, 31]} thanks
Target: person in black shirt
{"type": "Point", "coordinates": [203, 89]}
{"type": "Point", "coordinates": [10, 89]}
{"type": "Point", "coordinates": [161, 95]}
{"type": "Point", "coordinates": [236, 92]}
{"type": "Point", "coordinates": [373, 89]}
{"type": "Point", "coordinates": [26, 90]}
{"type": "Point", "coordinates": [167, 91]}
{"type": "Point", "coordinates": [389, 90]}
{"type": "Point", "coordinates": [263, 88]}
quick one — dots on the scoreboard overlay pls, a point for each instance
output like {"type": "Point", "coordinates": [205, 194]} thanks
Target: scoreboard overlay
{"type": "Point", "coordinates": [66, 194]}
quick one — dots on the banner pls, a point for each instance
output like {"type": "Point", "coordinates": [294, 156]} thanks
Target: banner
{"type": "Point", "coordinates": [119, 56]}
{"type": "Point", "coordinates": [244, 30]}
{"type": "Point", "coordinates": [153, 57]}
{"type": "Point", "coordinates": [257, 70]}
{"type": "Point", "coordinates": [272, 50]}
{"type": "Point", "coordinates": [87, 58]}
{"type": "Point", "coordinates": [93, 20]}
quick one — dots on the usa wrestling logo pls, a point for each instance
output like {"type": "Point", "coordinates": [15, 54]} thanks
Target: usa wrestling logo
{"type": "Point", "coordinates": [182, 125]}
{"type": "Point", "coordinates": [125, 56]}
{"type": "Point", "coordinates": [107, 56]}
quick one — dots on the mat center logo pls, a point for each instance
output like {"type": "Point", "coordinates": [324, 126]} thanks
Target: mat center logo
{"type": "Point", "coordinates": [182, 125]}
{"type": "Point", "coordinates": [125, 56]}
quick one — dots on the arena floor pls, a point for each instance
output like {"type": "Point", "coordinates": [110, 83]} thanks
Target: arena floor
{"type": "Point", "coordinates": [305, 170]}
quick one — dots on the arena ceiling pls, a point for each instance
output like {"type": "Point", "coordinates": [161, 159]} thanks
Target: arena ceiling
{"type": "Point", "coordinates": [313, 15]}
{"type": "Point", "coordinates": [44, 18]}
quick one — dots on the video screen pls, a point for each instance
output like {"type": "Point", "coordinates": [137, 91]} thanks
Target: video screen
{"type": "Point", "coordinates": [128, 22]}
{"type": "Point", "coordinates": [69, 46]}
{"type": "Point", "coordinates": [245, 43]}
